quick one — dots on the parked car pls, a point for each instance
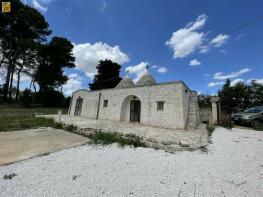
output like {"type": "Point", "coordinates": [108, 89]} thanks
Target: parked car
{"type": "Point", "coordinates": [252, 116]}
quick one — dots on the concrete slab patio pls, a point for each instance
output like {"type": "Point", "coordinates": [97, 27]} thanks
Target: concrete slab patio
{"type": "Point", "coordinates": [25, 144]}
{"type": "Point", "coordinates": [161, 138]}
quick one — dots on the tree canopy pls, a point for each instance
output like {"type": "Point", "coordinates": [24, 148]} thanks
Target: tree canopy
{"type": "Point", "coordinates": [240, 96]}
{"type": "Point", "coordinates": [24, 50]}
{"type": "Point", "coordinates": [53, 57]}
{"type": "Point", "coordinates": [108, 75]}
{"type": "Point", "coordinates": [21, 26]}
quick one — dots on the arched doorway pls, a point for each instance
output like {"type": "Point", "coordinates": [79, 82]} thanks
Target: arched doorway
{"type": "Point", "coordinates": [131, 109]}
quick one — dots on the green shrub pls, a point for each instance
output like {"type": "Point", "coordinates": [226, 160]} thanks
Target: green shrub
{"type": "Point", "coordinates": [123, 140]}
{"type": "Point", "coordinates": [70, 128]}
{"type": "Point", "coordinates": [50, 98]}
{"type": "Point", "coordinates": [57, 125]}
{"type": "Point", "coordinates": [210, 129]}
{"type": "Point", "coordinates": [26, 98]}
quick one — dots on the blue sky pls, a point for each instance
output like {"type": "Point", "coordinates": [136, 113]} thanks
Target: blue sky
{"type": "Point", "coordinates": [185, 40]}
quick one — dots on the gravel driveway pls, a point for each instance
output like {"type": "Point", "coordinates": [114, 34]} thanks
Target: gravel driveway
{"type": "Point", "coordinates": [233, 166]}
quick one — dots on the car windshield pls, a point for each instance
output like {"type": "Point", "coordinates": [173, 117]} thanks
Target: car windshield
{"type": "Point", "coordinates": [254, 110]}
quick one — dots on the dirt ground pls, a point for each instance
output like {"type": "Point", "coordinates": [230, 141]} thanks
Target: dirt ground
{"type": "Point", "coordinates": [20, 145]}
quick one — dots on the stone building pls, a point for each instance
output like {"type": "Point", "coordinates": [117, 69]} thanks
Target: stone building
{"type": "Point", "coordinates": [168, 105]}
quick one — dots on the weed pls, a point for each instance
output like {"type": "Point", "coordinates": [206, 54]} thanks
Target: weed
{"type": "Point", "coordinates": [70, 128]}
{"type": "Point", "coordinates": [9, 176]}
{"type": "Point", "coordinates": [114, 137]}
{"type": "Point", "coordinates": [210, 129]}
{"type": "Point", "coordinates": [57, 125]}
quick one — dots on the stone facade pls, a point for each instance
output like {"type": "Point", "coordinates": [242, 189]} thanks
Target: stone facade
{"type": "Point", "coordinates": [168, 105]}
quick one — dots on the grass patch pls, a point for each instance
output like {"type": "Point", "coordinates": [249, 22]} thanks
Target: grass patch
{"type": "Point", "coordinates": [110, 138]}
{"type": "Point", "coordinates": [14, 110]}
{"type": "Point", "coordinates": [210, 129]}
{"type": "Point", "coordinates": [17, 118]}
{"type": "Point", "coordinates": [23, 122]}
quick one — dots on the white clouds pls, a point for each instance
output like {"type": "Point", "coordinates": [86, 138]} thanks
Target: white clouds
{"type": "Point", "coordinates": [74, 83]}
{"type": "Point", "coordinates": [104, 5]}
{"type": "Point", "coordinates": [41, 5]}
{"type": "Point", "coordinates": [234, 82]}
{"type": "Point", "coordinates": [204, 49]}
{"type": "Point", "coordinates": [88, 55]}
{"type": "Point", "coordinates": [259, 81]}
{"type": "Point", "coordinates": [239, 37]}
{"type": "Point", "coordinates": [36, 4]}
{"type": "Point", "coordinates": [219, 40]}
{"type": "Point", "coordinates": [162, 69]}
{"type": "Point", "coordinates": [138, 70]}
{"type": "Point", "coordinates": [213, 84]}
{"type": "Point", "coordinates": [186, 40]}
{"type": "Point", "coordinates": [222, 76]}
{"type": "Point", "coordinates": [194, 62]}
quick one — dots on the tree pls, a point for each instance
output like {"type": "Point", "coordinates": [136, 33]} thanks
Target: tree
{"type": "Point", "coordinates": [108, 75]}
{"type": "Point", "coordinates": [204, 101]}
{"type": "Point", "coordinates": [53, 58]}
{"type": "Point", "coordinates": [23, 23]}
{"type": "Point", "coordinates": [234, 98]}
{"type": "Point", "coordinates": [256, 96]}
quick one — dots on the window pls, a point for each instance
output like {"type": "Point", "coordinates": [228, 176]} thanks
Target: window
{"type": "Point", "coordinates": [160, 105]}
{"type": "Point", "coordinates": [105, 103]}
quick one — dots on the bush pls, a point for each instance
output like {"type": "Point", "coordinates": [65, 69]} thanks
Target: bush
{"type": "Point", "coordinates": [57, 125]}
{"type": "Point", "coordinates": [70, 128]}
{"type": "Point", "coordinates": [51, 98]}
{"type": "Point", "coordinates": [123, 140]}
{"type": "Point", "coordinates": [26, 98]}
{"type": "Point", "coordinates": [210, 130]}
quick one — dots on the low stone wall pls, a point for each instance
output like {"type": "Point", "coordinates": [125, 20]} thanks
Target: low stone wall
{"type": "Point", "coordinates": [204, 114]}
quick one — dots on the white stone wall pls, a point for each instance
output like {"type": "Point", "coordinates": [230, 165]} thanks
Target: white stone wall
{"type": "Point", "coordinates": [174, 115]}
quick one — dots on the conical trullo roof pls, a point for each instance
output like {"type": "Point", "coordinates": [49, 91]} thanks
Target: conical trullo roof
{"type": "Point", "coordinates": [125, 82]}
{"type": "Point", "coordinates": [146, 79]}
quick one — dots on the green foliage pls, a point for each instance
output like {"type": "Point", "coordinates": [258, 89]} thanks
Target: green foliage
{"type": "Point", "coordinates": [50, 98]}
{"type": "Point", "coordinates": [123, 140]}
{"type": "Point", "coordinates": [210, 130]}
{"type": "Point", "coordinates": [108, 75]}
{"type": "Point", "coordinates": [70, 128]}
{"type": "Point", "coordinates": [26, 98]}
{"type": "Point", "coordinates": [256, 96]}
{"type": "Point", "coordinates": [17, 118]}
{"type": "Point", "coordinates": [57, 125]}
{"type": "Point", "coordinates": [21, 26]}
{"type": "Point", "coordinates": [8, 123]}
{"type": "Point", "coordinates": [204, 101]}
{"type": "Point", "coordinates": [53, 57]}
{"type": "Point", "coordinates": [239, 97]}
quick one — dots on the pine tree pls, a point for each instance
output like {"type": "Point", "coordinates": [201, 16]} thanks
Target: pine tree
{"type": "Point", "coordinates": [108, 75]}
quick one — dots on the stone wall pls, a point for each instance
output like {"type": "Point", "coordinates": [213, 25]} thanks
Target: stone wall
{"type": "Point", "coordinates": [204, 114]}
{"type": "Point", "coordinates": [175, 96]}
